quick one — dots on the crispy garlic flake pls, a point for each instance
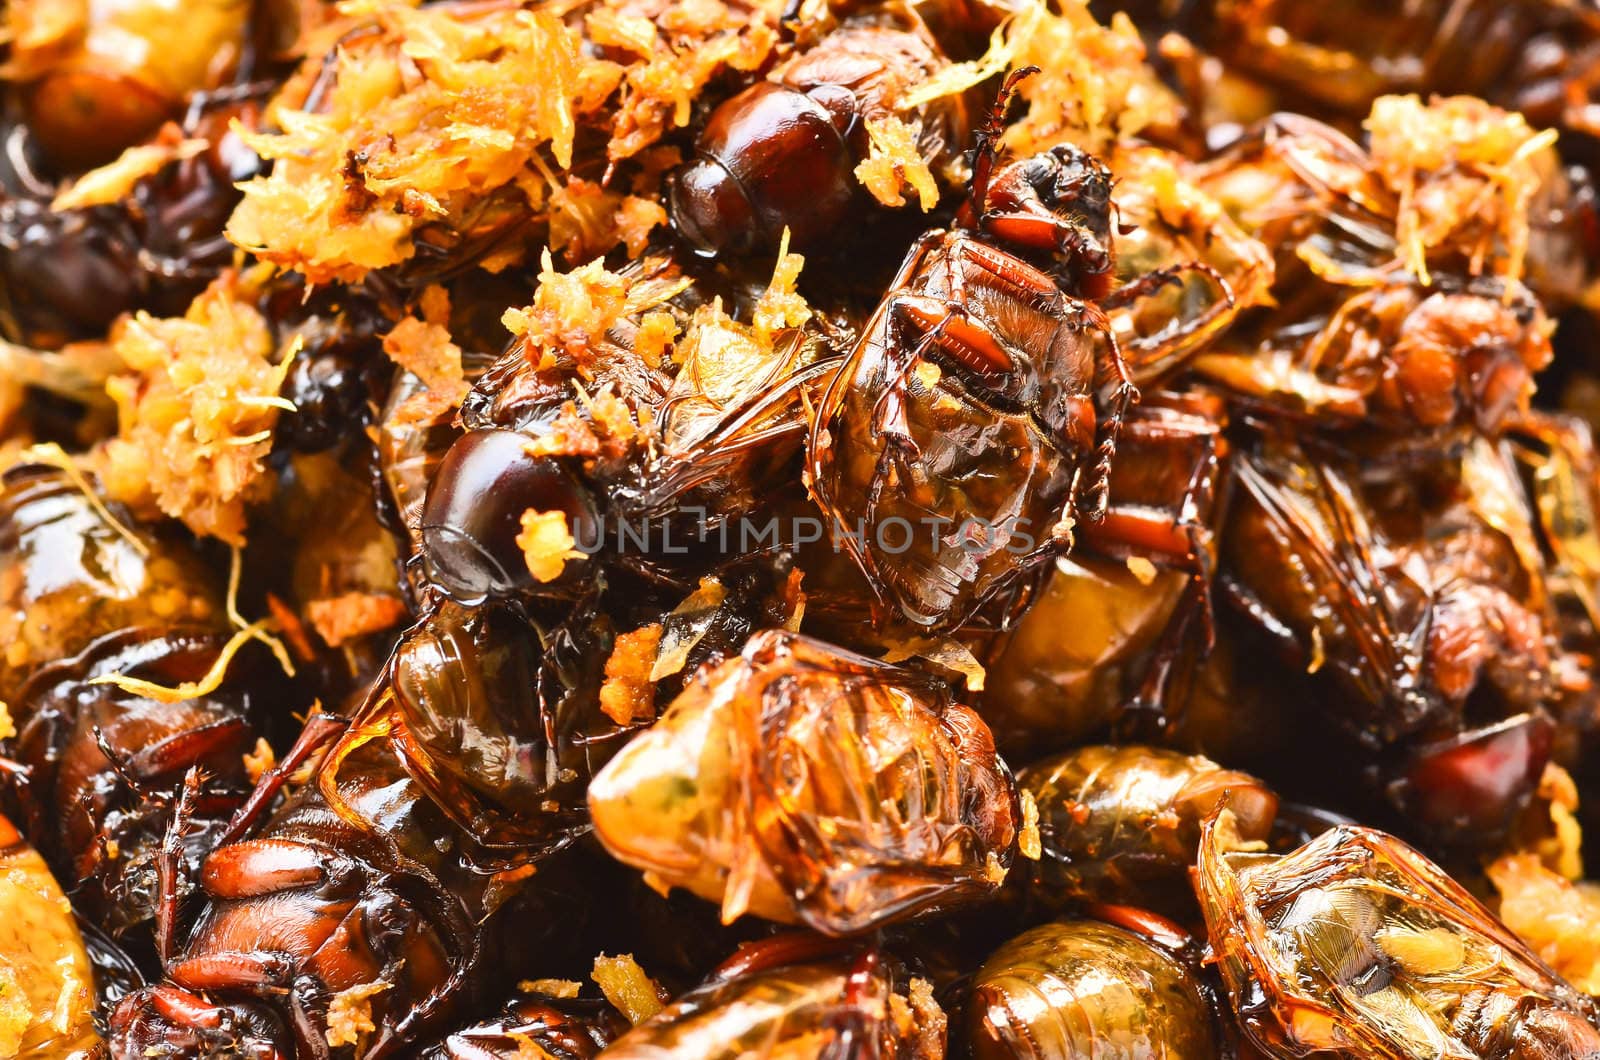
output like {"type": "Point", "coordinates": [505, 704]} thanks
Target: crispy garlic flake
{"type": "Point", "coordinates": [196, 411]}
{"type": "Point", "coordinates": [425, 121]}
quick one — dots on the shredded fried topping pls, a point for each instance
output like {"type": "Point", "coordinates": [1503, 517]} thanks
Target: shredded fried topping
{"type": "Point", "coordinates": [115, 180]}
{"type": "Point", "coordinates": [341, 619]}
{"type": "Point", "coordinates": [626, 986]}
{"type": "Point", "coordinates": [780, 306]}
{"type": "Point", "coordinates": [571, 311]}
{"type": "Point", "coordinates": [195, 417]}
{"type": "Point", "coordinates": [894, 163]}
{"type": "Point", "coordinates": [628, 694]}
{"type": "Point", "coordinates": [209, 683]}
{"type": "Point", "coordinates": [426, 121]}
{"type": "Point", "coordinates": [46, 992]}
{"type": "Point", "coordinates": [1028, 841]}
{"type": "Point", "coordinates": [546, 544]}
{"type": "Point", "coordinates": [1558, 918]}
{"type": "Point", "coordinates": [1094, 86]}
{"type": "Point", "coordinates": [662, 54]}
{"type": "Point", "coordinates": [1459, 163]}
{"type": "Point", "coordinates": [350, 1013]}
{"type": "Point", "coordinates": [587, 220]}
{"type": "Point", "coordinates": [259, 759]}
{"type": "Point", "coordinates": [423, 348]}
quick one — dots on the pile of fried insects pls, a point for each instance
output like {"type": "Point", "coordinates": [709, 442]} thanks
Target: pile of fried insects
{"type": "Point", "coordinates": [711, 529]}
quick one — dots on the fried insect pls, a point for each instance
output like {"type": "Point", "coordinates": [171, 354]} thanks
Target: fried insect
{"type": "Point", "coordinates": [1096, 646]}
{"type": "Point", "coordinates": [364, 910]}
{"type": "Point", "coordinates": [790, 993]}
{"type": "Point", "coordinates": [1413, 592]}
{"type": "Point", "coordinates": [1122, 824]}
{"type": "Point", "coordinates": [418, 176]}
{"type": "Point", "coordinates": [966, 416]}
{"type": "Point", "coordinates": [1169, 223]}
{"type": "Point", "coordinates": [558, 1028]}
{"type": "Point", "coordinates": [91, 607]}
{"type": "Point", "coordinates": [70, 269]}
{"type": "Point", "coordinates": [785, 154]}
{"type": "Point", "coordinates": [809, 785]}
{"type": "Point", "coordinates": [1399, 307]}
{"type": "Point", "coordinates": [642, 456]}
{"type": "Point", "coordinates": [1087, 988]}
{"type": "Point", "coordinates": [46, 993]}
{"type": "Point", "coordinates": [1357, 942]}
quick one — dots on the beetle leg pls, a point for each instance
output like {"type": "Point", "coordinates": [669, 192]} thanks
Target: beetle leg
{"type": "Point", "coordinates": [1150, 353]}
{"type": "Point", "coordinates": [169, 865]}
{"type": "Point", "coordinates": [1124, 395]}
{"type": "Point", "coordinates": [1152, 927]}
{"type": "Point", "coordinates": [846, 1020]}
{"type": "Point", "coordinates": [1176, 532]}
{"type": "Point", "coordinates": [120, 765]}
{"type": "Point", "coordinates": [234, 970]}
{"type": "Point", "coordinates": [1153, 281]}
{"type": "Point", "coordinates": [775, 951]}
{"type": "Point", "coordinates": [319, 729]}
{"type": "Point", "coordinates": [988, 136]}
{"type": "Point", "coordinates": [1004, 272]}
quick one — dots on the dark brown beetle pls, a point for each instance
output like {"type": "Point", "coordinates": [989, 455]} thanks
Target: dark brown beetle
{"type": "Point", "coordinates": [968, 418]}
{"type": "Point", "coordinates": [86, 601]}
{"type": "Point", "coordinates": [783, 153]}
{"type": "Point", "coordinates": [66, 274]}
{"type": "Point", "coordinates": [384, 871]}
{"type": "Point", "coordinates": [726, 422]}
{"type": "Point", "coordinates": [1414, 596]}
{"type": "Point", "coordinates": [557, 1028]}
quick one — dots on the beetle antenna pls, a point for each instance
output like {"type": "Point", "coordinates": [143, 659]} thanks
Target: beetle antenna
{"type": "Point", "coordinates": [987, 149]}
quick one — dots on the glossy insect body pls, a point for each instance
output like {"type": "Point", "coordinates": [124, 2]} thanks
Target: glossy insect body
{"type": "Point", "coordinates": [1354, 533]}
{"type": "Point", "coordinates": [561, 1029]}
{"type": "Point", "coordinates": [703, 440]}
{"type": "Point", "coordinates": [789, 994]}
{"type": "Point", "coordinates": [70, 272]}
{"type": "Point", "coordinates": [1122, 824]}
{"type": "Point", "coordinates": [89, 601]}
{"type": "Point", "coordinates": [1418, 593]}
{"type": "Point", "coordinates": [900, 807]}
{"type": "Point", "coordinates": [72, 577]}
{"type": "Point", "coordinates": [1081, 988]}
{"type": "Point", "coordinates": [1101, 634]}
{"type": "Point", "coordinates": [1386, 320]}
{"type": "Point", "coordinates": [1169, 223]}
{"type": "Point", "coordinates": [44, 968]}
{"type": "Point", "coordinates": [782, 154]}
{"type": "Point", "coordinates": [473, 513]}
{"type": "Point", "coordinates": [1357, 942]}
{"type": "Point", "coordinates": [959, 438]}
{"type": "Point", "coordinates": [375, 876]}
{"type": "Point", "coordinates": [323, 900]}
